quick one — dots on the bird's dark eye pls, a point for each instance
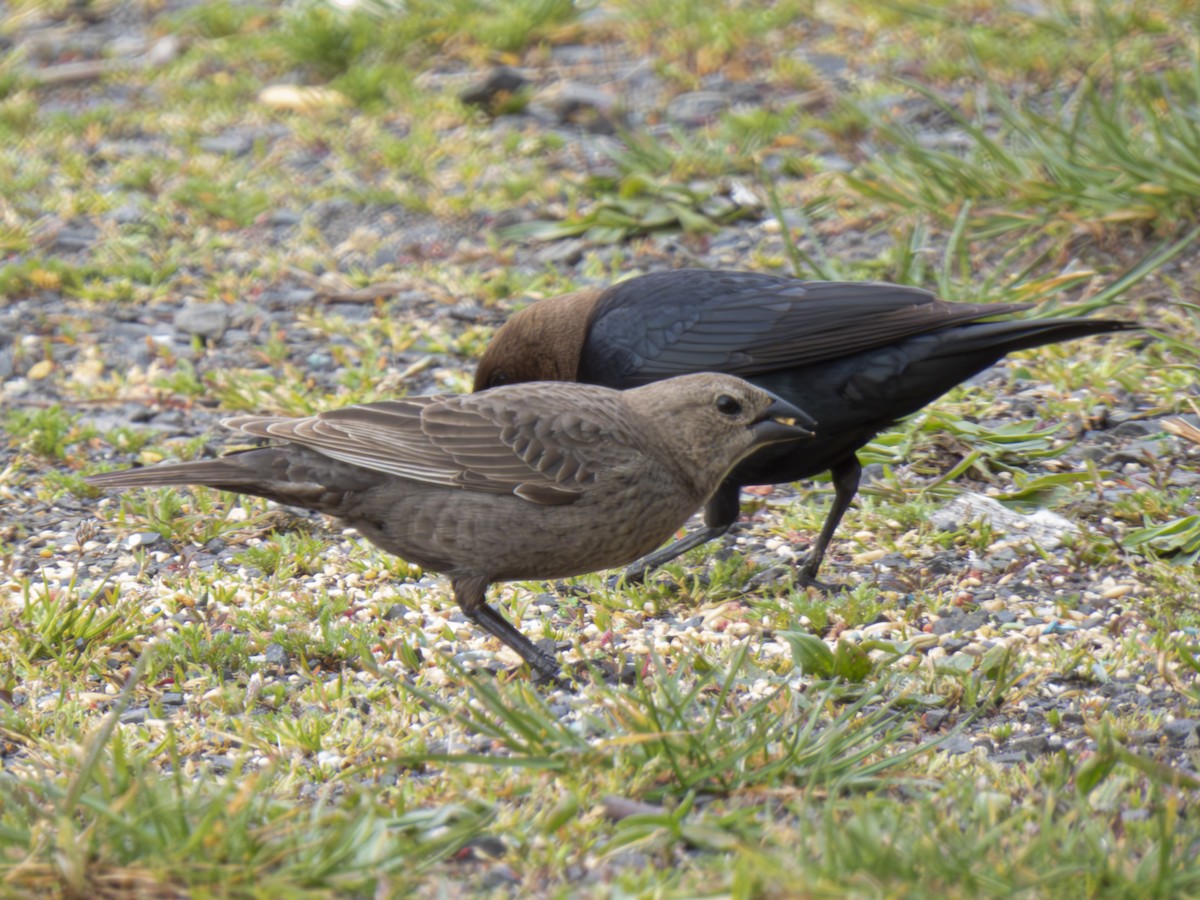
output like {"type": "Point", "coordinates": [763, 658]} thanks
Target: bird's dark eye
{"type": "Point", "coordinates": [727, 406]}
{"type": "Point", "coordinates": [497, 379]}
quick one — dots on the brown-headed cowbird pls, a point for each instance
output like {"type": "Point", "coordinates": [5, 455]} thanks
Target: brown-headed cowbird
{"type": "Point", "coordinates": [531, 481]}
{"type": "Point", "coordinates": [856, 356]}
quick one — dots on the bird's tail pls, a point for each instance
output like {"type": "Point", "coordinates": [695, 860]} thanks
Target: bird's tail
{"type": "Point", "coordinates": [234, 472]}
{"type": "Point", "coordinates": [936, 362]}
{"type": "Point", "coordinates": [1011, 335]}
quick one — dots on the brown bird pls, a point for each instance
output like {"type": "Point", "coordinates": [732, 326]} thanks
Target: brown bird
{"type": "Point", "coordinates": [532, 481]}
{"type": "Point", "coordinates": [857, 356]}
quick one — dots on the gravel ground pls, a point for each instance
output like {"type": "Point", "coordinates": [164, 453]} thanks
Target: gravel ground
{"type": "Point", "coordinates": [1025, 588]}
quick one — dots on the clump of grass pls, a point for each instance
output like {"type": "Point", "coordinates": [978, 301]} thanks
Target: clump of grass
{"type": "Point", "coordinates": [333, 41]}
{"type": "Point", "coordinates": [639, 207]}
{"type": "Point", "coordinates": [1178, 539]}
{"type": "Point", "coordinates": [229, 832]}
{"type": "Point", "coordinates": [1107, 157]}
{"type": "Point", "coordinates": [677, 733]}
{"type": "Point", "coordinates": [49, 432]}
{"type": "Point", "coordinates": [220, 19]}
{"type": "Point", "coordinates": [692, 38]}
{"type": "Point", "coordinates": [36, 274]}
{"type": "Point", "coordinates": [329, 42]}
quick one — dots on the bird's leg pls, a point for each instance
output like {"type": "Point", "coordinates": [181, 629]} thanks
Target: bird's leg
{"type": "Point", "coordinates": [720, 513]}
{"type": "Point", "coordinates": [638, 571]}
{"type": "Point", "coordinates": [470, 594]}
{"type": "Point", "coordinates": [846, 475]}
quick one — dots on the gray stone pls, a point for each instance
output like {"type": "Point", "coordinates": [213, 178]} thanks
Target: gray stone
{"type": "Point", "coordinates": [163, 51]}
{"type": "Point", "coordinates": [959, 621]}
{"type": "Point", "coordinates": [206, 320]}
{"type": "Point", "coordinates": [318, 362]}
{"type": "Point", "coordinates": [835, 162]}
{"type": "Point", "coordinates": [386, 256]}
{"type": "Point", "coordinates": [567, 252]}
{"type": "Point", "coordinates": [957, 744]}
{"type": "Point", "coordinates": [275, 655]}
{"type": "Point", "coordinates": [1130, 429]}
{"type": "Point", "coordinates": [828, 65]}
{"type": "Point", "coordinates": [1044, 528]}
{"type": "Point", "coordinates": [500, 81]}
{"type": "Point", "coordinates": [697, 108]}
{"type": "Point", "coordinates": [1010, 758]}
{"type": "Point", "coordinates": [1183, 733]}
{"type": "Point", "coordinates": [127, 214]}
{"type": "Point", "coordinates": [142, 539]}
{"type": "Point", "coordinates": [1035, 744]}
{"type": "Point", "coordinates": [135, 716]}
{"type": "Point", "coordinates": [299, 296]}
{"type": "Point", "coordinates": [579, 54]}
{"type": "Point", "coordinates": [934, 718]}
{"type": "Point", "coordinates": [284, 218]}
{"type": "Point", "coordinates": [568, 97]}
{"type": "Point", "coordinates": [75, 238]}
{"type": "Point", "coordinates": [228, 144]}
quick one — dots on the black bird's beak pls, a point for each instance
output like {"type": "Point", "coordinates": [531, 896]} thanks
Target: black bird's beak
{"type": "Point", "coordinates": [781, 421]}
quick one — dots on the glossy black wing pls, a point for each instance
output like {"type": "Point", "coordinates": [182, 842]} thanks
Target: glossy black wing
{"type": "Point", "coordinates": [744, 323]}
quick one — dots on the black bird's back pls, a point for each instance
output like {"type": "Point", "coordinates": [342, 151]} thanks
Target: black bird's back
{"type": "Point", "coordinates": [857, 357]}
{"type": "Point", "coordinates": [749, 324]}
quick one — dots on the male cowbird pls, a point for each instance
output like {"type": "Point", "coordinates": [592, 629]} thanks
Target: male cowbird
{"type": "Point", "coordinates": [856, 356]}
{"type": "Point", "coordinates": [529, 481]}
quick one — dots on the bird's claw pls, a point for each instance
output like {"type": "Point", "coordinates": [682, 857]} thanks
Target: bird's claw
{"type": "Point", "coordinates": [552, 680]}
{"type": "Point", "coordinates": [606, 670]}
{"type": "Point", "coordinates": [587, 671]}
{"type": "Point", "coordinates": [807, 579]}
{"type": "Point", "coordinates": [635, 574]}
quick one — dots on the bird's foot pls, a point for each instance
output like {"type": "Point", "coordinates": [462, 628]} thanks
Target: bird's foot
{"type": "Point", "coordinates": [635, 574]}
{"type": "Point", "coordinates": [769, 578]}
{"type": "Point", "coordinates": [664, 581]}
{"type": "Point", "coordinates": [804, 578]}
{"type": "Point", "coordinates": [587, 671]}
{"type": "Point", "coordinates": [640, 569]}
{"type": "Point", "coordinates": [546, 670]}
{"type": "Point", "coordinates": [605, 670]}
{"type": "Point", "coordinates": [555, 681]}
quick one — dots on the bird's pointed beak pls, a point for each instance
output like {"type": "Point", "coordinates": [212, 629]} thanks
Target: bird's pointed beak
{"type": "Point", "coordinates": [781, 421]}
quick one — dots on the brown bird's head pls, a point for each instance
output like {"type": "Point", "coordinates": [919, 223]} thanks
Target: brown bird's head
{"type": "Point", "coordinates": [713, 421]}
{"type": "Point", "coordinates": [542, 342]}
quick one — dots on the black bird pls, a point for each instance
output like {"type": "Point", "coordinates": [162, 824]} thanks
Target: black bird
{"type": "Point", "coordinates": [528, 481]}
{"type": "Point", "coordinates": [857, 356]}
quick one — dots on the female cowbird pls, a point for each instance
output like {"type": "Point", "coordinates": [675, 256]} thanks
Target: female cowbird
{"type": "Point", "coordinates": [856, 356]}
{"type": "Point", "coordinates": [528, 481]}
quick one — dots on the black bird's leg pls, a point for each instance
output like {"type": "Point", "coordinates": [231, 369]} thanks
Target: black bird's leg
{"type": "Point", "coordinates": [719, 515]}
{"type": "Point", "coordinates": [470, 594]}
{"type": "Point", "coordinates": [638, 571]}
{"type": "Point", "coordinates": [846, 476]}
